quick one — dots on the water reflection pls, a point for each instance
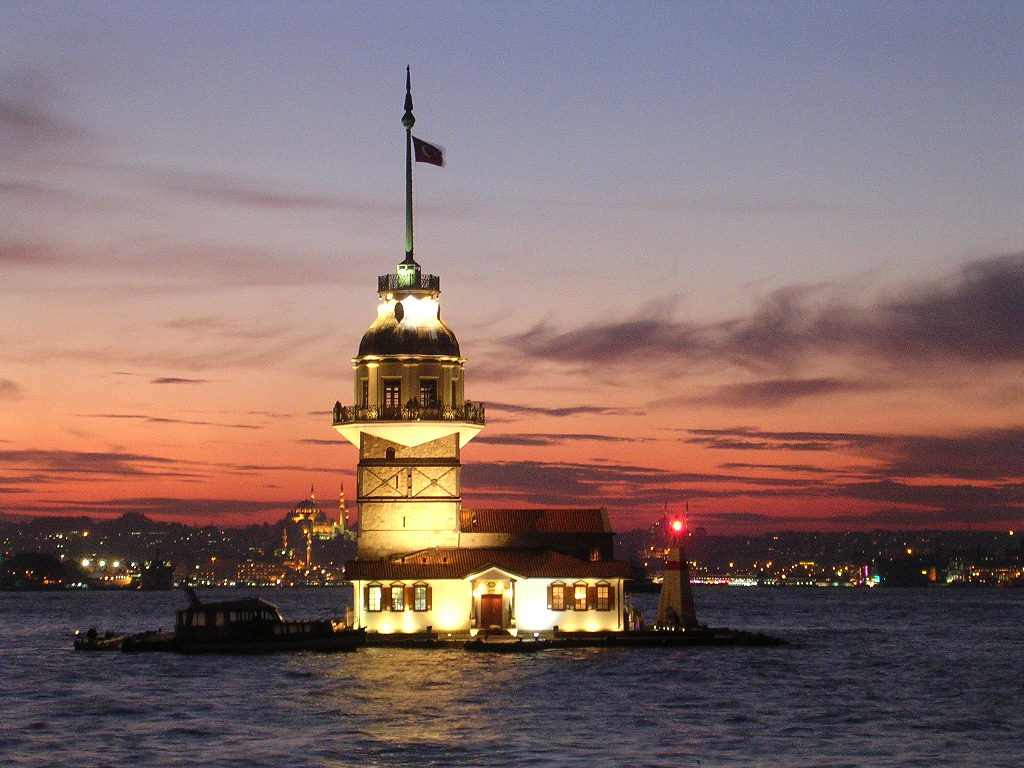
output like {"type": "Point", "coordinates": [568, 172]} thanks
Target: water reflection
{"type": "Point", "coordinates": [898, 677]}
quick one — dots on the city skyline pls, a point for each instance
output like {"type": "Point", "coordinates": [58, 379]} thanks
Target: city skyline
{"type": "Point", "coordinates": [762, 263]}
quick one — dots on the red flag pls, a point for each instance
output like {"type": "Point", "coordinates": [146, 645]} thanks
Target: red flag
{"type": "Point", "coordinates": [427, 153]}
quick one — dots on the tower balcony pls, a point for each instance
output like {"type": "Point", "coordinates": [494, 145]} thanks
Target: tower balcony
{"type": "Point", "coordinates": [471, 413]}
{"type": "Point", "coordinates": [411, 424]}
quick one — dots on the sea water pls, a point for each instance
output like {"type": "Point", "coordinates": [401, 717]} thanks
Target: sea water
{"type": "Point", "coordinates": [879, 677]}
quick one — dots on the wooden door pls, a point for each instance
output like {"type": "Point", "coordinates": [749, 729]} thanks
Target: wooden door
{"type": "Point", "coordinates": [490, 611]}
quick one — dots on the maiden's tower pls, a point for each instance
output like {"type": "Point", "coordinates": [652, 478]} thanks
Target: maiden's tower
{"type": "Point", "coordinates": [425, 563]}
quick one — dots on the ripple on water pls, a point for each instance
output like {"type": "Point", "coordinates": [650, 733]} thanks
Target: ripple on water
{"type": "Point", "coordinates": [881, 678]}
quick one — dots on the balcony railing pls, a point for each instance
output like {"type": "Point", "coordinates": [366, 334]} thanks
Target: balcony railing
{"type": "Point", "coordinates": [471, 413]}
{"type": "Point", "coordinates": [407, 281]}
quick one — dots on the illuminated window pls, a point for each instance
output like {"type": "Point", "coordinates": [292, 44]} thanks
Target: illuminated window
{"type": "Point", "coordinates": [556, 597]}
{"type": "Point", "coordinates": [373, 597]}
{"type": "Point", "coordinates": [397, 597]}
{"type": "Point", "coordinates": [421, 597]}
{"type": "Point", "coordinates": [603, 594]}
{"type": "Point", "coordinates": [428, 393]}
{"type": "Point", "coordinates": [392, 391]}
{"type": "Point", "coordinates": [579, 597]}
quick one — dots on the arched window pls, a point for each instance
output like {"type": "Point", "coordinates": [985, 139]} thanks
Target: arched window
{"type": "Point", "coordinates": [374, 594]}
{"type": "Point", "coordinates": [579, 596]}
{"type": "Point", "coordinates": [604, 596]}
{"type": "Point", "coordinates": [421, 596]}
{"type": "Point", "coordinates": [389, 453]}
{"type": "Point", "coordinates": [556, 596]}
{"type": "Point", "coordinates": [397, 597]}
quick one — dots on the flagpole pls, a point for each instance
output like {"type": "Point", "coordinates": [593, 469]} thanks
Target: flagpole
{"type": "Point", "coordinates": [408, 121]}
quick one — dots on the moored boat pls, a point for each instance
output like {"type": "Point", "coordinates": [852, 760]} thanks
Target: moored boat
{"type": "Point", "coordinates": [91, 640]}
{"type": "Point", "coordinates": [252, 625]}
{"type": "Point", "coordinates": [249, 625]}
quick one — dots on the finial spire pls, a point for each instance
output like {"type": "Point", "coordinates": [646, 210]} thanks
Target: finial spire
{"type": "Point", "coordinates": [408, 121]}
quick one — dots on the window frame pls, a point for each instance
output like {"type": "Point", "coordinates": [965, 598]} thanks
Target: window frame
{"type": "Point", "coordinates": [374, 590]}
{"type": "Point", "coordinates": [429, 394]}
{"type": "Point", "coordinates": [603, 603]}
{"type": "Point", "coordinates": [391, 394]}
{"type": "Point", "coordinates": [397, 597]}
{"type": "Point", "coordinates": [580, 595]}
{"type": "Point", "coordinates": [557, 592]}
{"type": "Point", "coordinates": [419, 590]}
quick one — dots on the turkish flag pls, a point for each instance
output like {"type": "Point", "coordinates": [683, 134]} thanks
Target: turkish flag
{"type": "Point", "coordinates": [427, 153]}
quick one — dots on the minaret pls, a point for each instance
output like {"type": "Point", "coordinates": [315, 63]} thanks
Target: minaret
{"type": "Point", "coordinates": [410, 417]}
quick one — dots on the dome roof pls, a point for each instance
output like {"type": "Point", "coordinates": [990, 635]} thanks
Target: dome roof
{"type": "Point", "coordinates": [306, 504]}
{"type": "Point", "coordinates": [398, 332]}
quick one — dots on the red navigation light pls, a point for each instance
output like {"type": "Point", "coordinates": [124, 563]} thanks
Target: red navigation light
{"type": "Point", "coordinates": [677, 526]}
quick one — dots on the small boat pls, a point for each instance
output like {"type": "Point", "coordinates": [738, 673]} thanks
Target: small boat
{"type": "Point", "coordinates": [91, 640]}
{"type": "Point", "coordinates": [252, 625]}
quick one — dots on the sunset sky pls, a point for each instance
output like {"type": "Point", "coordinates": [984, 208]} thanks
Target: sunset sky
{"type": "Point", "coordinates": [766, 260]}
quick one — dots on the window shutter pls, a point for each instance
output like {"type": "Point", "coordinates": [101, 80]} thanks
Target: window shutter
{"type": "Point", "coordinates": [385, 598]}
{"type": "Point", "coordinates": [591, 598]}
{"type": "Point", "coordinates": [551, 601]}
{"type": "Point", "coordinates": [366, 597]}
{"type": "Point", "coordinates": [429, 590]}
{"type": "Point", "coordinates": [410, 597]}
{"type": "Point", "coordinates": [611, 598]}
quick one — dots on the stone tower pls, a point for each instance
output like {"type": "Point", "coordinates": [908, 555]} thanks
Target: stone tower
{"type": "Point", "coordinates": [410, 417]}
{"type": "Point", "coordinates": [409, 421]}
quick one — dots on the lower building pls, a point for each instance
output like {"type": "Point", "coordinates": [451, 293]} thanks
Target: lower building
{"type": "Point", "coordinates": [520, 570]}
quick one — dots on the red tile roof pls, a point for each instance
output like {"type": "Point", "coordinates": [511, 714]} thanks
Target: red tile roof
{"type": "Point", "coordinates": [453, 563]}
{"type": "Point", "coordinates": [567, 520]}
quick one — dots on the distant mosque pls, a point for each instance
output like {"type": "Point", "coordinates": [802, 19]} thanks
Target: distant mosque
{"type": "Point", "coordinates": [311, 523]}
{"type": "Point", "coordinates": [423, 562]}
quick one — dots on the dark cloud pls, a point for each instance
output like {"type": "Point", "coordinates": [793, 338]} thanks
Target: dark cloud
{"type": "Point", "coordinates": [937, 495]}
{"type": "Point", "coordinates": [13, 254]}
{"type": "Point", "coordinates": [212, 188]}
{"type": "Point", "coordinates": [771, 392]}
{"type": "Point", "coordinates": [31, 190]}
{"type": "Point", "coordinates": [247, 468]}
{"type": "Point", "coordinates": [578, 410]}
{"type": "Point", "coordinates": [162, 420]}
{"type": "Point", "coordinates": [112, 464]}
{"type": "Point", "coordinates": [10, 390]}
{"type": "Point", "coordinates": [993, 454]}
{"type": "Point", "coordinates": [800, 468]}
{"type": "Point", "coordinates": [173, 380]}
{"type": "Point", "coordinates": [538, 439]}
{"type": "Point", "coordinates": [272, 346]}
{"type": "Point", "coordinates": [975, 315]}
{"type": "Point", "coordinates": [604, 484]}
{"type": "Point", "coordinates": [625, 341]}
{"type": "Point", "coordinates": [24, 123]}
{"type": "Point", "coordinates": [752, 439]}
{"type": "Point", "coordinates": [225, 511]}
